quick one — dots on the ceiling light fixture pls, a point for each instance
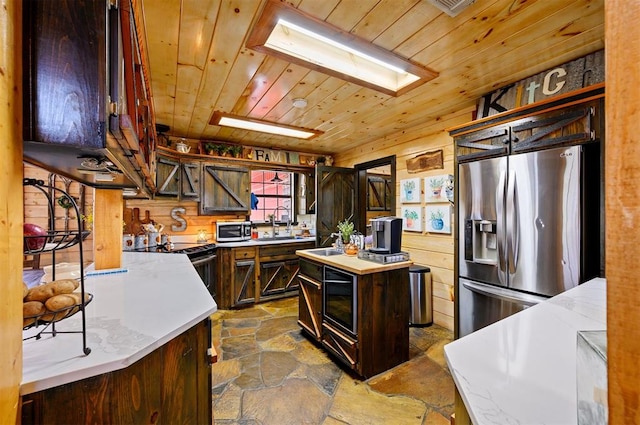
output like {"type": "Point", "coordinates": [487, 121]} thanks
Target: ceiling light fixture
{"type": "Point", "coordinates": [299, 102]}
{"type": "Point", "coordinates": [276, 179]}
{"type": "Point", "coordinates": [288, 33]}
{"type": "Point", "coordinates": [228, 120]}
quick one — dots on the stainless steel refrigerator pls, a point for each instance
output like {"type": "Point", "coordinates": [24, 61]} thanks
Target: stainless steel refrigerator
{"type": "Point", "coordinates": [529, 228]}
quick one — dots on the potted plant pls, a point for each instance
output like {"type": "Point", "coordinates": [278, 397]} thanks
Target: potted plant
{"type": "Point", "coordinates": [236, 151]}
{"type": "Point", "coordinates": [346, 230]}
{"type": "Point", "coordinates": [411, 216]}
{"type": "Point", "coordinates": [436, 186]}
{"type": "Point", "coordinates": [221, 149]}
{"type": "Point", "coordinates": [209, 148]}
{"type": "Point", "coordinates": [437, 222]}
{"type": "Point", "coordinates": [409, 186]}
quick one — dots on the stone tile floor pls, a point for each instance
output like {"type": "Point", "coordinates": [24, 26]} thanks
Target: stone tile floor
{"type": "Point", "coordinates": [268, 372]}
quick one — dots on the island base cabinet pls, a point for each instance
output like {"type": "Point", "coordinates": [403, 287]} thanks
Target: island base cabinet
{"type": "Point", "coordinates": [310, 306]}
{"type": "Point", "coordinates": [168, 386]}
{"type": "Point", "coordinates": [342, 346]}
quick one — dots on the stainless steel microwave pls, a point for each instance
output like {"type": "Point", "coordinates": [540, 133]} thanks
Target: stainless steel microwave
{"type": "Point", "coordinates": [233, 231]}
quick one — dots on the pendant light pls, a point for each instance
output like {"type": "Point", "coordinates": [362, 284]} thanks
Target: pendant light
{"type": "Point", "coordinates": [276, 179]}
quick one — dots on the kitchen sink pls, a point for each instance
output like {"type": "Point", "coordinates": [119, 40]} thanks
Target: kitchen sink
{"type": "Point", "coordinates": [325, 252]}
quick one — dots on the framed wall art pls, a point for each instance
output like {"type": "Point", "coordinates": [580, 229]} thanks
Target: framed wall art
{"type": "Point", "coordinates": [439, 188]}
{"type": "Point", "coordinates": [438, 218]}
{"type": "Point", "coordinates": [412, 219]}
{"type": "Point", "coordinates": [410, 191]}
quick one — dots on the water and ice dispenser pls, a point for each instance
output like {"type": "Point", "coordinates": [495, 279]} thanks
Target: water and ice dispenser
{"type": "Point", "coordinates": [480, 241]}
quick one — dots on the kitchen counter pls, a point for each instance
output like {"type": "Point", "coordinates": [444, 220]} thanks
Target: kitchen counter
{"type": "Point", "coordinates": [522, 369]}
{"type": "Point", "coordinates": [132, 314]}
{"type": "Point", "coordinates": [352, 264]}
{"type": "Point", "coordinates": [266, 241]}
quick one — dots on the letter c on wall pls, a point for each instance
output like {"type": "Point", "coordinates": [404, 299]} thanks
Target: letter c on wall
{"type": "Point", "coordinates": [547, 81]}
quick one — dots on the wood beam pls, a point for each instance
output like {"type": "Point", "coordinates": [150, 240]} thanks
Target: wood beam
{"type": "Point", "coordinates": [622, 176]}
{"type": "Point", "coordinates": [11, 210]}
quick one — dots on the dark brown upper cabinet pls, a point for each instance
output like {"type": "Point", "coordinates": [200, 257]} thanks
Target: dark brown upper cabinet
{"type": "Point", "coordinates": [225, 189]}
{"type": "Point", "coordinates": [178, 178]}
{"type": "Point", "coordinates": [87, 114]}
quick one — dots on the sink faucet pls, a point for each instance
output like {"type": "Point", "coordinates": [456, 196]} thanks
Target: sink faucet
{"type": "Point", "coordinates": [338, 244]}
{"type": "Point", "coordinates": [274, 226]}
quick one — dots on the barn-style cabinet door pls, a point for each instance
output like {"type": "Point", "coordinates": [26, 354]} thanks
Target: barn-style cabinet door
{"type": "Point", "coordinates": [225, 189]}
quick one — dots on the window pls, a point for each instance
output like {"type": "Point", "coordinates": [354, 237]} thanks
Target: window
{"type": "Point", "coordinates": [273, 191]}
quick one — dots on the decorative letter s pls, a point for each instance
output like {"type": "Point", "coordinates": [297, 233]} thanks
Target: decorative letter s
{"type": "Point", "coordinates": [175, 214]}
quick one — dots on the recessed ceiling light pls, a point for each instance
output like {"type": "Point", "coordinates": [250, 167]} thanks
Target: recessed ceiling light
{"type": "Point", "coordinates": [288, 33]}
{"type": "Point", "coordinates": [228, 120]}
{"type": "Point", "coordinates": [299, 102]}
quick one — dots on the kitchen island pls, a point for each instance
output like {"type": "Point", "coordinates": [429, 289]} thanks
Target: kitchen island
{"type": "Point", "coordinates": [522, 369]}
{"type": "Point", "coordinates": [148, 329]}
{"type": "Point", "coordinates": [357, 309]}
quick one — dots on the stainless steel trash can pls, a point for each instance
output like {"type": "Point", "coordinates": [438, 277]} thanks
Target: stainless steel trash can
{"type": "Point", "coordinates": [420, 294]}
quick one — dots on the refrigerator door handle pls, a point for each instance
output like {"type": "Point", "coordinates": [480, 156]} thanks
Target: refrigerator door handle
{"type": "Point", "coordinates": [503, 294]}
{"type": "Point", "coordinates": [513, 234]}
{"type": "Point", "coordinates": [500, 231]}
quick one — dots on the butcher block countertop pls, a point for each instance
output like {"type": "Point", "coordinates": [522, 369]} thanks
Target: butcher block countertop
{"type": "Point", "coordinates": [349, 263]}
{"type": "Point", "coordinates": [133, 313]}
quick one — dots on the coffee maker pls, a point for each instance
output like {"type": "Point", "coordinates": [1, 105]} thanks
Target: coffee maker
{"type": "Point", "coordinates": [387, 235]}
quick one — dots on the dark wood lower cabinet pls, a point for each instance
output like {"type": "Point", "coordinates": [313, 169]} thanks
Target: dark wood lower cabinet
{"type": "Point", "coordinates": [253, 274]}
{"type": "Point", "coordinates": [310, 306]}
{"type": "Point", "coordinates": [168, 386]}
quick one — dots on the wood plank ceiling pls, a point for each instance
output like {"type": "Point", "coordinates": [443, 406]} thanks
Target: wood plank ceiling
{"type": "Point", "coordinates": [199, 64]}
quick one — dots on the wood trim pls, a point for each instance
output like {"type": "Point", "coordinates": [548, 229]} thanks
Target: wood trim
{"type": "Point", "coordinates": [107, 228]}
{"type": "Point", "coordinates": [595, 91]}
{"type": "Point", "coordinates": [11, 204]}
{"type": "Point", "coordinates": [622, 177]}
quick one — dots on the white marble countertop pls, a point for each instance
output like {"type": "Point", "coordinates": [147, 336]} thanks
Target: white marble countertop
{"type": "Point", "coordinates": [522, 369]}
{"type": "Point", "coordinates": [132, 314]}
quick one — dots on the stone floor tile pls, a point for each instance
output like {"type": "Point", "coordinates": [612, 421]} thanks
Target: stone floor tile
{"type": "Point", "coordinates": [271, 328]}
{"type": "Point", "coordinates": [436, 353]}
{"type": "Point", "coordinates": [275, 367]}
{"type": "Point", "coordinates": [298, 402]}
{"type": "Point", "coordinates": [227, 405]}
{"type": "Point", "coordinates": [286, 307]}
{"type": "Point", "coordinates": [279, 343]}
{"type": "Point", "coordinates": [420, 378]}
{"type": "Point", "coordinates": [225, 371]}
{"type": "Point", "coordinates": [326, 376]}
{"type": "Point", "coordinates": [232, 347]}
{"type": "Point", "coordinates": [333, 421]}
{"type": "Point", "coordinates": [306, 352]}
{"type": "Point", "coordinates": [435, 418]}
{"type": "Point", "coordinates": [355, 403]}
{"type": "Point", "coordinates": [250, 375]}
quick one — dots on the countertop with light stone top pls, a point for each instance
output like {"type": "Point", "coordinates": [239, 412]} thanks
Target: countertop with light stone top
{"type": "Point", "coordinates": [522, 369]}
{"type": "Point", "coordinates": [133, 313]}
{"type": "Point", "coordinates": [350, 263]}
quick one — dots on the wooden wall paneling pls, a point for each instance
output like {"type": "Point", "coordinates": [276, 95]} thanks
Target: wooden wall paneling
{"type": "Point", "coordinates": [107, 228]}
{"type": "Point", "coordinates": [10, 210]}
{"type": "Point", "coordinates": [622, 177]}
